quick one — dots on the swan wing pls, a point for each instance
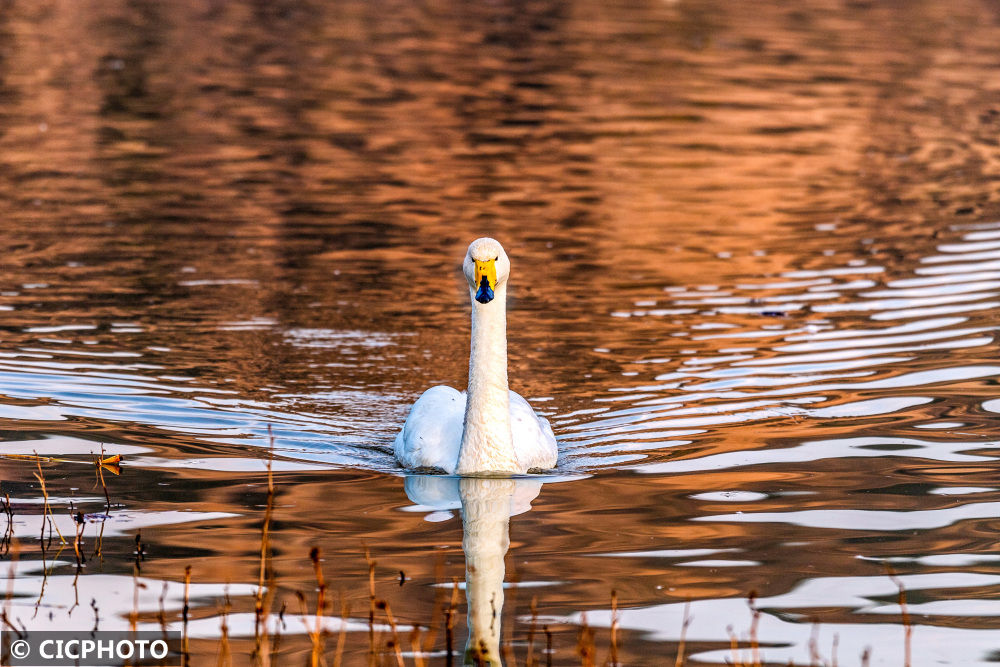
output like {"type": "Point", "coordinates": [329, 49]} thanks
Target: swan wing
{"type": "Point", "coordinates": [534, 442]}
{"type": "Point", "coordinates": [432, 434]}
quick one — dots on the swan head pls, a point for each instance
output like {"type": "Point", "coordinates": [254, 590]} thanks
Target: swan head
{"type": "Point", "coordinates": [486, 266]}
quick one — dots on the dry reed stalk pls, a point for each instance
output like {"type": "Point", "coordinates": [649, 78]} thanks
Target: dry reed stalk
{"type": "Point", "coordinates": [97, 614]}
{"type": "Point", "coordinates": [507, 646]}
{"type": "Point", "coordinates": [507, 631]}
{"type": "Point", "coordinates": [140, 551]}
{"type": "Point", "coordinates": [262, 600]}
{"type": "Point", "coordinates": [100, 479]}
{"type": "Point", "coordinates": [754, 625]}
{"type": "Point", "coordinates": [76, 592]}
{"type": "Point", "coordinates": [319, 632]}
{"type": "Point", "coordinates": [437, 608]}
{"type": "Point", "coordinates": [46, 508]}
{"type": "Point", "coordinates": [679, 660]}
{"type": "Point", "coordinates": [529, 660]}
{"type": "Point", "coordinates": [46, 571]}
{"type": "Point", "coordinates": [548, 645]}
{"type": "Point", "coordinates": [394, 642]}
{"type": "Point", "coordinates": [78, 552]}
{"type": "Point", "coordinates": [449, 622]}
{"type": "Point", "coordinates": [814, 656]}
{"type": "Point", "coordinates": [734, 646]}
{"type": "Point", "coordinates": [866, 656]}
{"type": "Point", "coordinates": [415, 647]}
{"type": "Point", "coordinates": [8, 535]}
{"type": "Point", "coordinates": [15, 553]}
{"type": "Point", "coordinates": [99, 544]}
{"type": "Point", "coordinates": [77, 540]}
{"type": "Point", "coordinates": [276, 640]}
{"type": "Point", "coordinates": [836, 645]}
{"type": "Point", "coordinates": [612, 659]}
{"type": "Point", "coordinates": [224, 656]}
{"type": "Point", "coordinates": [161, 614]}
{"type": "Point", "coordinates": [345, 613]}
{"type": "Point", "coordinates": [133, 616]}
{"type": "Point", "coordinates": [316, 655]}
{"type": "Point", "coordinates": [303, 609]}
{"type": "Point", "coordinates": [371, 608]}
{"type": "Point", "coordinates": [905, 613]}
{"type": "Point", "coordinates": [185, 610]}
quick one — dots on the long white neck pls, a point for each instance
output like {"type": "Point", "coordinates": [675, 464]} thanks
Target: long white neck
{"type": "Point", "coordinates": [487, 445]}
{"type": "Point", "coordinates": [485, 538]}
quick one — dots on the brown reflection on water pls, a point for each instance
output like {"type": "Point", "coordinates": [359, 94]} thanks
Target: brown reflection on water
{"type": "Point", "coordinates": [311, 158]}
{"type": "Point", "coordinates": [215, 217]}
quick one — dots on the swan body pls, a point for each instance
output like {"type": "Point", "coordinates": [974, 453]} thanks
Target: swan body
{"type": "Point", "coordinates": [488, 428]}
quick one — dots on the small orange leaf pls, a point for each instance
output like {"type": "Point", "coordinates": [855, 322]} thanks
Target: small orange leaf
{"type": "Point", "coordinates": [113, 468]}
{"type": "Point", "coordinates": [111, 460]}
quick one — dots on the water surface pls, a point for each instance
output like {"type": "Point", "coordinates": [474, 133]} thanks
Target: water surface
{"type": "Point", "coordinates": [756, 280]}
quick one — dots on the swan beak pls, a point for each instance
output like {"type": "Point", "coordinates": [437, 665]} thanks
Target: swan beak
{"type": "Point", "coordinates": [486, 280]}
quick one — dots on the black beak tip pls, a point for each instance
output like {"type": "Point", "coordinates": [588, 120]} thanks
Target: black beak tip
{"type": "Point", "coordinates": [485, 294]}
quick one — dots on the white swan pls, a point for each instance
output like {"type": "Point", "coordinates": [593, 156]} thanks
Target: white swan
{"type": "Point", "coordinates": [487, 429]}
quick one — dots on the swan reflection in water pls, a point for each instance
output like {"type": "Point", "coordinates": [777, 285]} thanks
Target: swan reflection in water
{"type": "Point", "coordinates": [486, 503]}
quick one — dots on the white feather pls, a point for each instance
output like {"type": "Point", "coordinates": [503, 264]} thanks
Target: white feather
{"type": "Point", "coordinates": [432, 434]}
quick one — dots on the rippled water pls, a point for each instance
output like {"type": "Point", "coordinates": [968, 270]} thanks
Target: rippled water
{"type": "Point", "coordinates": [756, 255]}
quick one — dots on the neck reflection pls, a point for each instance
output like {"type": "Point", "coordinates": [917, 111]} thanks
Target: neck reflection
{"type": "Point", "coordinates": [486, 505]}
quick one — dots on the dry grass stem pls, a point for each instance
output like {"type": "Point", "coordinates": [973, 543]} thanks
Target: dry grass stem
{"type": "Point", "coordinates": [161, 614]}
{"type": "Point", "coordinates": [15, 552]}
{"type": "Point", "coordinates": [814, 656]}
{"type": "Point", "coordinates": [265, 577]}
{"type": "Point", "coordinates": [529, 660]}
{"type": "Point", "coordinates": [100, 479]}
{"type": "Point", "coordinates": [78, 540]}
{"type": "Point", "coordinates": [734, 646]}
{"type": "Point", "coordinates": [185, 611]}
{"type": "Point", "coordinates": [371, 609]}
{"type": "Point", "coordinates": [46, 508]}
{"type": "Point", "coordinates": [225, 656]}
{"type": "Point", "coordinates": [318, 632]}
{"type": "Point", "coordinates": [47, 568]}
{"type": "Point", "coordinates": [437, 610]}
{"type": "Point", "coordinates": [133, 617]}
{"type": "Point", "coordinates": [8, 535]}
{"type": "Point", "coordinates": [99, 544]}
{"type": "Point", "coordinates": [612, 660]}
{"type": "Point", "coordinates": [345, 613]}
{"type": "Point", "coordinates": [449, 622]}
{"type": "Point", "coordinates": [754, 625]}
{"type": "Point", "coordinates": [394, 642]}
{"type": "Point", "coordinates": [905, 613]}
{"type": "Point", "coordinates": [585, 643]}
{"type": "Point", "coordinates": [679, 661]}
{"type": "Point", "coordinates": [415, 647]}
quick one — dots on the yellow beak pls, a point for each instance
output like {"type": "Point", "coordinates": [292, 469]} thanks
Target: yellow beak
{"type": "Point", "coordinates": [488, 269]}
{"type": "Point", "coordinates": [486, 280]}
